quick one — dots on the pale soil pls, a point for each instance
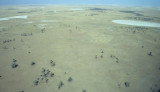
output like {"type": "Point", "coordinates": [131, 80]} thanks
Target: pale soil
{"type": "Point", "coordinates": [72, 39]}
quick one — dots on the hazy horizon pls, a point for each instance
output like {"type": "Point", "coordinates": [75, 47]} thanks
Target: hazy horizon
{"type": "Point", "coordinates": [82, 2]}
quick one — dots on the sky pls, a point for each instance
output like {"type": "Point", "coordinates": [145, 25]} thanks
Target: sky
{"type": "Point", "coordinates": [113, 2]}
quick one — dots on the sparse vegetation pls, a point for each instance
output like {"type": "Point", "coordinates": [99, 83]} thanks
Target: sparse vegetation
{"type": "Point", "coordinates": [141, 18]}
{"type": "Point", "coordinates": [35, 82]}
{"type": "Point", "coordinates": [115, 58]}
{"type": "Point", "coordinates": [26, 34]}
{"type": "Point", "coordinates": [93, 14]}
{"type": "Point", "coordinates": [101, 56]}
{"type": "Point", "coordinates": [9, 40]}
{"type": "Point", "coordinates": [14, 60]}
{"type": "Point", "coordinates": [134, 29]}
{"type": "Point", "coordinates": [52, 74]}
{"type": "Point", "coordinates": [33, 63]}
{"type": "Point", "coordinates": [102, 51]}
{"type": "Point", "coordinates": [150, 54]}
{"type": "Point", "coordinates": [70, 79]}
{"type": "Point", "coordinates": [52, 63]}
{"type": "Point", "coordinates": [127, 84]}
{"type": "Point", "coordinates": [45, 76]}
{"type": "Point", "coordinates": [46, 80]}
{"type": "Point", "coordinates": [60, 84]}
{"type": "Point", "coordinates": [14, 64]}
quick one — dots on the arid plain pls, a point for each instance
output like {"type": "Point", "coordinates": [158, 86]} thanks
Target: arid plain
{"type": "Point", "coordinates": [55, 48]}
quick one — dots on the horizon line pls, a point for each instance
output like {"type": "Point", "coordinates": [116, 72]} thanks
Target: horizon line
{"type": "Point", "coordinates": [131, 5]}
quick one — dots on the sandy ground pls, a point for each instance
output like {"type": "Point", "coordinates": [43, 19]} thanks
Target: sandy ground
{"type": "Point", "coordinates": [84, 44]}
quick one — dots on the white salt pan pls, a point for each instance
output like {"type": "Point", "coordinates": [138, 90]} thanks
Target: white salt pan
{"type": "Point", "coordinates": [28, 22]}
{"type": "Point", "coordinates": [14, 17]}
{"type": "Point", "coordinates": [42, 25]}
{"type": "Point", "coordinates": [137, 23]}
{"type": "Point", "coordinates": [48, 21]}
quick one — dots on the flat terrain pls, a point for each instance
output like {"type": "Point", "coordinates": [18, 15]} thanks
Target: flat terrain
{"type": "Point", "coordinates": [78, 49]}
